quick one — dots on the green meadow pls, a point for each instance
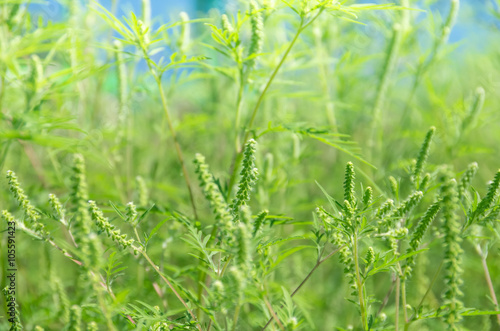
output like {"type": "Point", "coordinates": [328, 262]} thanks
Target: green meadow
{"type": "Point", "coordinates": [277, 165]}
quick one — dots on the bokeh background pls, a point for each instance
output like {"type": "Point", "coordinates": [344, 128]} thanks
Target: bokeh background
{"type": "Point", "coordinates": [337, 64]}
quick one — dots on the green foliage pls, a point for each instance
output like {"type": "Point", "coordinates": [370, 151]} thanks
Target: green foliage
{"type": "Point", "coordinates": [108, 104]}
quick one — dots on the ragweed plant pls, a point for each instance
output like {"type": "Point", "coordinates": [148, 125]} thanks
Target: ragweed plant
{"type": "Point", "coordinates": [100, 107]}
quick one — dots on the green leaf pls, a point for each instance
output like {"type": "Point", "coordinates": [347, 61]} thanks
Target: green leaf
{"type": "Point", "coordinates": [384, 266]}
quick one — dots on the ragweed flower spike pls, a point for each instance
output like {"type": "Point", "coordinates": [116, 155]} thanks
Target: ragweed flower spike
{"type": "Point", "coordinates": [62, 299]}
{"type": "Point", "coordinates": [407, 205]}
{"type": "Point", "coordinates": [471, 118]}
{"type": "Point", "coordinates": [453, 253]}
{"type": "Point", "coordinates": [248, 178]}
{"type": "Point", "coordinates": [131, 214]}
{"type": "Point", "coordinates": [367, 197]}
{"type": "Point", "coordinates": [488, 200]}
{"type": "Point", "coordinates": [370, 256]}
{"type": "Point", "coordinates": [184, 38]}
{"type": "Point", "coordinates": [257, 39]}
{"type": "Point", "coordinates": [81, 222]}
{"type": "Point", "coordinates": [104, 225]}
{"type": "Point", "coordinates": [349, 194]}
{"type": "Point", "coordinates": [79, 195]}
{"type": "Point", "coordinates": [75, 319]}
{"type": "Point", "coordinates": [211, 191]}
{"type": "Point", "coordinates": [16, 324]}
{"type": "Point", "coordinates": [418, 234]}
{"type": "Point", "coordinates": [226, 25]}
{"type": "Point", "coordinates": [23, 201]}
{"type": "Point", "coordinates": [58, 209]}
{"type": "Point", "coordinates": [7, 217]}
{"type": "Point", "coordinates": [385, 208]}
{"type": "Point", "coordinates": [142, 191]}
{"type": "Point", "coordinates": [422, 157]}
{"type": "Point", "coordinates": [466, 179]}
{"type": "Point", "coordinates": [394, 185]}
{"type": "Point", "coordinates": [22, 198]}
{"type": "Point", "coordinates": [243, 254]}
{"type": "Point", "coordinates": [425, 182]}
{"type": "Point", "coordinates": [259, 221]}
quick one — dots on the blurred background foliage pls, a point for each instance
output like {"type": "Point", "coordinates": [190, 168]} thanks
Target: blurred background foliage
{"type": "Point", "coordinates": [59, 95]}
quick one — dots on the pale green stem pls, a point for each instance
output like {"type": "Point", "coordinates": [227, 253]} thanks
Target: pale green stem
{"type": "Point", "coordinates": [236, 315]}
{"type": "Point", "coordinates": [427, 63]}
{"type": "Point", "coordinates": [170, 126]}
{"type": "Point", "coordinates": [177, 146]}
{"type": "Point", "coordinates": [155, 267]}
{"type": "Point", "coordinates": [403, 295]}
{"type": "Point", "coordinates": [398, 285]}
{"type": "Point", "coordinates": [390, 60]}
{"type": "Point", "coordinates": [323, 71]}
{"type": "Point", "coordinates": [318, 263]}
{"type": "Point", "coordinates": [407, 325]}
{"type": "Point", "coordinates": [488, 280]}
{"type": "Point", "coordinates": [249, 126]}
{"type": "Point", "coordinates": [359, 283]}
{"type": "Point", "coordinates": [273, 314]}
{"type": "Point", "coordinates": [239, 103]}
{"type": "Point", "coordinates": [2, 90]}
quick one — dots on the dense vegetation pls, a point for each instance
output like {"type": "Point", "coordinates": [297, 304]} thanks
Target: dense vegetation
{"type": "Point", "coordinates": [286, 165]}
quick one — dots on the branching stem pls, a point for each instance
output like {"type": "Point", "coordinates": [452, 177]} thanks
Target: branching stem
{"type": "Point", "coordinates": [249, 126]}
{"type": "Point", "coordinates": [155, 267]}
{"type": "Point", "coordinates": [359, 283]}
{"type": "Point", "coordinates": [318, 263]}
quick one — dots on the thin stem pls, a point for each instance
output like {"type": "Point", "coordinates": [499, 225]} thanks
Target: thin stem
{"type": "Point", "coordinates": [383, 86]}
{"type": "Point", "coordinates": [403, 296]}
{"type": "Point", "coordinates": [102, 304]}
{"type": "Point", "coordinates": [176, 143]}
{"type": "Point", "coordinates": [225, 266]}
{"type": "Point", "coordinates": [488, 280]}
{"type": "Point", "coordinates": [203, 275]}
{"type": "Point", "coordinates": [239, 103]}
{"type": "Point", "coordinates": [425, 295]}
{"type": "Point", "coordinates": [270, 80]}
{"type": "Point", "coordinates": [318, 263]}
{"type": "Point", "coordinates": [386, 298]}
{"type": "Point", "coordinates": [427, 63]}
{"type": "Point", "coordinates": [236, 315]}
{"type": "Point", "coordinates": [137, 234]}
{"type": "Point", "coordinates": [2, 89]}
{"type": "Point", "coordinates": [323, 75]}
{"type": "Point", "coordinates": [359, 283]}
{"type": "Point", "coordinates": [249, 126]}
{"type": "Point", "coordinates": [155, 267]}
{"type": "Point", "coordinates": [314, 269]}
{"type": "Point", "coordinates": [273, 314]}
{"type": "Point", "coordinates": [398, 285]}
{"type": "Point", "coordinates": [170, 124]}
